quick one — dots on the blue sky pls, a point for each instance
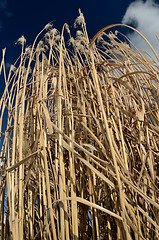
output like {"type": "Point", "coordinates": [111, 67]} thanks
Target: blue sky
{"type": "Point", "coordinates": [18, 17]}
{"type": "Point", "coordinates": [29, 17]}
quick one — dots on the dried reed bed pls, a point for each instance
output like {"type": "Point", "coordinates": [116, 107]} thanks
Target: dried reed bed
{"type": "Point", "coordinates": [79, 155]}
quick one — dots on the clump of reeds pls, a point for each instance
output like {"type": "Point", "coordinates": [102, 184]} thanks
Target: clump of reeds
{"type": "Point", "coordinates": [80, 152]}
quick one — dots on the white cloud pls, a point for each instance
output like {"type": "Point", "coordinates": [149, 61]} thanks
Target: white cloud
{"type": "Point", "coordinates": [144, 16]}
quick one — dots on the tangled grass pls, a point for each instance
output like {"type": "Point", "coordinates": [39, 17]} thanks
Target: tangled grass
{"type": "Point", "coordinates": [80, 152]}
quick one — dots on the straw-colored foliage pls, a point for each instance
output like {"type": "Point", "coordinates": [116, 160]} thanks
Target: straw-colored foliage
{"type": "Point", "coordinates": [79, 126]}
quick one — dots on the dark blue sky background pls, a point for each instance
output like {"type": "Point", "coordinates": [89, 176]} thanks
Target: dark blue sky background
{"type": "Point", "coordinates": [18, 17]}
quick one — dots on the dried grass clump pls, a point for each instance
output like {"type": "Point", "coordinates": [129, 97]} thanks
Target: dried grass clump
{"type": "Point", "coordinates": [79, 155]}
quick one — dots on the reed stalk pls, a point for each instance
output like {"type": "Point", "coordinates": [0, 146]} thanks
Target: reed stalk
{"type": "Point", "coordinates": [80, 138]}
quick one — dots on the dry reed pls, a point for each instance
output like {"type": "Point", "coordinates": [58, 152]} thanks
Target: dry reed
{"type": "Point", "coordinates": [79, 155]}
